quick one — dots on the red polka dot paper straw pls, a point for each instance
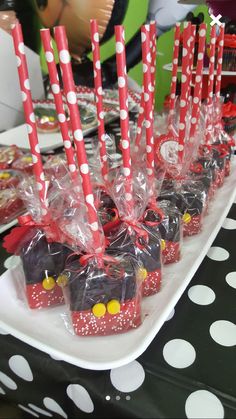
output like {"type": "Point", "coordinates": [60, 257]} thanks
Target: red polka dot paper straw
{"type": "Point", "coordinates": [148, 109]}
{"type": "Point", "coordinates": [174, 67]}
{"type": "Point", "coordinates": [55, 86]}
{"type": "Point", "coordinates": [98, 93]}
{"type": "Point", "coordinates": [184, 89]}
{"type": "Point", "coordinates": [211, 66]}
{"type": "Point", "coordinates": [29, 116]}
{"type": "Point", "coordinates": [153, 47]}
{"type": "Point", "coordinates": [69, 87]}
{"type": "Point", "coordinates": [211, 84]}
{"type": "Point", "coordinates": [139, 124]}
{"type": "Point", "coordinates": [124, 110]}
{"type": "Point", "coordinates": [191, 55]}
{"type": "Point", "coordinates": [197, 96]}
{"type": "Point", "coordinates": [220, 51]}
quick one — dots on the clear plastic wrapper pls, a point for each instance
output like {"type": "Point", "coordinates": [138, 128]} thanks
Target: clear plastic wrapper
{"type": "Point", "coordinates": [55, 166]}
{"type": "Point", "coordinates": [9, 178]}
{"type": "Point", "coordinates": [190, 198]}
{"type": "Point", "coordinates": [10, 205]}
{"type": "Point", "coordinates": [8, 155]}
{"type": "Point", "coordinates": [133, 235]}
{"type": "Point", "coordinates": [24, 163]}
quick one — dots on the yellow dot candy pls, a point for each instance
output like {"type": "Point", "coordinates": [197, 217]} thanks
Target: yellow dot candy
{"type": "Point", "coordinates": [27, 159]}
{"type": "Point", "coordinates": [163, 244]}
{"type": "Point", "coordinates": [48, 283]}
{"type": "Point", "coordinates": [142, 274]}
{"type": "Point", "coordinates": [5, 175]}
{"type": "Point", "coordinates": [186, 218]}
{"type": "Point", "coordinates": [113, 307]}
{"type": "Point", "coordinates": [62, 280]}
{"type": "Point", "coordinates": [99, 310]}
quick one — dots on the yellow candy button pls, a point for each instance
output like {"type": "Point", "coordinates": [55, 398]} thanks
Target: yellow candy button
{"type": "Point", "coordinates": [142, 274]}
{"type": "Point", "coordinates": [113, 307]}
{"type": "Point", "coordinates": [49, 283]}
{"type": "Point", "coordinates": [62, 280]}
{"type": "Point", "coordinates": [99, 310]}
{"type": "Point", "coordinates": [27, 159]}
{"type": "Point", "coordinates": [186, 218]}
{"type": "Point", "coordinates": [5, 175]}
{"type": "Point", "coordinates": [163, 244]}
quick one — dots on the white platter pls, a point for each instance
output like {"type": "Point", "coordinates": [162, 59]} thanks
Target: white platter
{"type": "Point", "coordinates": [45, 329]}
{"type": "Point", "coordinates": [5, 227]}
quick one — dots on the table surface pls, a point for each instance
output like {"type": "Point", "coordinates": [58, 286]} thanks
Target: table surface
{"type": "Point", "coordinates": [188, 370]}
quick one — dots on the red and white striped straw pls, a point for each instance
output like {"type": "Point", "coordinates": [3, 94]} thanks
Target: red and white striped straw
{"type": "Point", "coordinates": [55, 86]}
{"type": "Point", "coordinates": [174, 68]}
{"type": "Point", "coordinates": [98, 93]}
{"type": "Point", "coordinates": [148, 109]}
{"type": "Point", "coordinates": [30, 117]}
{"type": "Point", "coordinates": [153, 47]}
{"type": "Point", "coordinates": [124, 110]}
{"type": "Point", "coordinates": [197, 96]}
{"type": "Point", "coordinates": [69, 87]}
{"type": "Point", "coordinates": [220, 51]}
{"type": "Point", "coordinates": [184, 89]}
{"type": "Point", "coordinates": [211, 66]}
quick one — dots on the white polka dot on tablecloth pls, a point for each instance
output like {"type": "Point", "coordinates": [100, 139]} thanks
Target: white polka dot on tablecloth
{"type": "Point", "coordinates": [26, 409]}
{"type": "Point", "coordinates": [171, 315]}
{"type": "Point", "coordinates": [223, 332]}
{"type": "Point", "coordinates": [39, 410]}
{"type": "Point", "coordinates": [3, 332]}
{"type": "Point", "coordinates": [218, 254]}
{"type": "Point", "coordinates": [7, 381]}
{"type": "Point", "coordinates": [203, 404]}
{"type": "Point", "coordinates": [128, 378]}
{"type": "Point", "coordinates": [201, 294]}
{"type": "Point", "coordinates": [229, 224]}
{"type": "Point", "coordinates": [231, 279]}
{"type": "Point", "coordinates": [11, 262]}
{"type": "Point", "coordinates": [20, 366]}
{"type": "Point", "coordinates": [179, 353]}
{"type": "Point", "coordinates": [81, 398]}
{"type": "Point", "coordinates": [2, 391]}
{"type": "Point", "coordinates": [54, 406]}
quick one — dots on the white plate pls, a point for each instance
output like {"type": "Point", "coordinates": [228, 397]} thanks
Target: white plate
{"type": "Point", "coordinates": [45, 329]}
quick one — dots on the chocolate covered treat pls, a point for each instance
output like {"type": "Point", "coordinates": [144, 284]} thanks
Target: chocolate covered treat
{"type": "Point", "coordinates": [169, 226]}
{"type": "Point", "coordinates": [144, 243]}
{"type": "Point", "coordinates": [106, 299]}
{"type": "Point", "coordinates": [190, 199]}
{"type": "Point", "coordinates": [24, 163]}
{"type": "Point", "coordinates": [43, 263]}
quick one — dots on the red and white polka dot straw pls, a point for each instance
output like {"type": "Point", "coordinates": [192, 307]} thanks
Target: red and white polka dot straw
{"type": "Point", "coordinates": [29, 116]}
{"type": "Point", "coordinates": [197, 96]}
{"type": "Point", "coordinates": [55, 86]}
{"type": "Point", "coordinates": [174, 68]}
{"type": "Point", "coordinates": [124, 110]}
{"type": "Point", "coordinates": [191, 56]}
{"type": "Point", "coordinates": [153, 47]}
{"type": "Point", "coordinates": [69, 87]}
{"type": "Point", "coordinates": [220, 51]}
{"type": "Point", "coordinates": [184, 89]}
{"type": "Point", "coordinates": [148, 109]}
{"type": "Point", "coordinates": [139, 123]}
{"type": "Point", "coordinates": [98, 93]}
{"type": "Point", "coordinates": [211, 83]}
{"type": "Point", "coordinates": [211, 66]}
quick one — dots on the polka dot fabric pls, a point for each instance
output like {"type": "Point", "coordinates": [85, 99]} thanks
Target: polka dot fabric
{"type": "Point", "coordinates": [98, 92]}
{"type": "Point", "coordinates": [220, 51]}
{"type": "Point", "coordinates": [54, 80]}
{"type": "Point", "coordinates": [29, 113]}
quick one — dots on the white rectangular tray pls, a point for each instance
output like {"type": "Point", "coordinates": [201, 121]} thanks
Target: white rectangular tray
{"type": "Point", "coordinates": [45, 329]}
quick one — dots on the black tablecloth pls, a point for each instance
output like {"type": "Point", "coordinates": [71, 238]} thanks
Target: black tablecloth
{"type": "Point", "coordinates": [189, 370]}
